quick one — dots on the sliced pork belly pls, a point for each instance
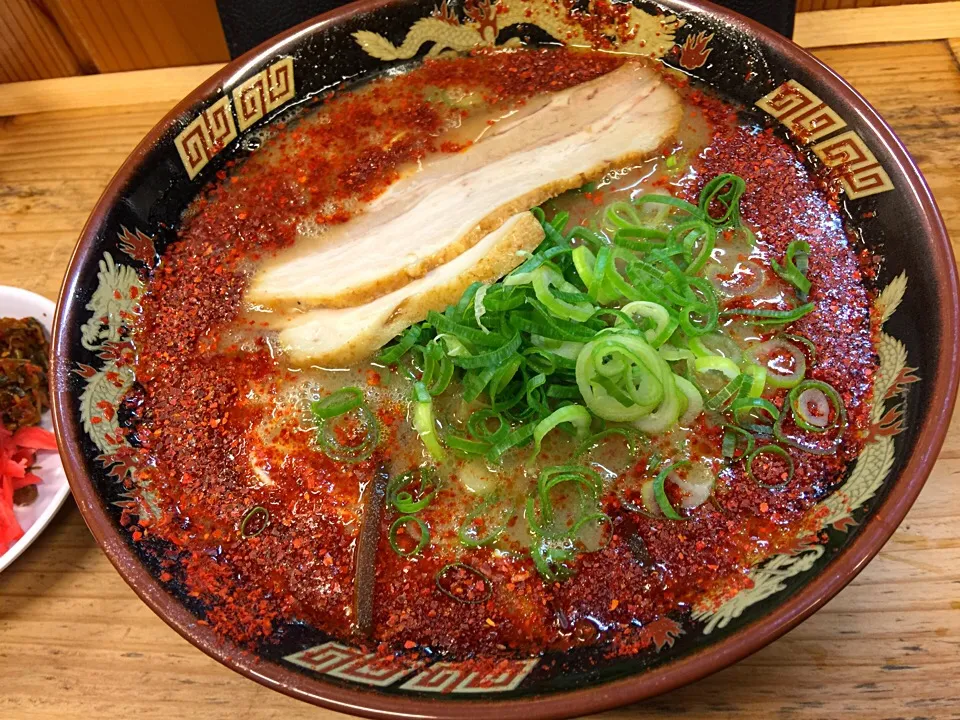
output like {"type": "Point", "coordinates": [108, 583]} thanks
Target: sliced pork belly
{"type": "Point", "coordinates": [339, 337]}
{"type": "Point", "coordinates": [555, 143]}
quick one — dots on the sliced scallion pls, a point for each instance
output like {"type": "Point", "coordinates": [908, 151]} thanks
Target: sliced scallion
{"type": "Point", "coordinates": [401, 524]}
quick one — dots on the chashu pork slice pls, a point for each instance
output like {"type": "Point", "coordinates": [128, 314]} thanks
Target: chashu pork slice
{"type": "Point", "coordinates": [337, 337]}
{"type": "Point", "coordinates": [555, 143]}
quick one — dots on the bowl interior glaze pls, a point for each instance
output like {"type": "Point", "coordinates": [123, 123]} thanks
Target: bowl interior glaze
{"type": "Point", "coordinates": [884, 195]}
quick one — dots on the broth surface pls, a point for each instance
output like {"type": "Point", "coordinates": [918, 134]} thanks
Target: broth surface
{"type": "Point", "coordinates": [223, 421]}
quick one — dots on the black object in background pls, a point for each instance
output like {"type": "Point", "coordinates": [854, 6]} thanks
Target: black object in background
{"type": "Point", "coordinates": [247, 23]}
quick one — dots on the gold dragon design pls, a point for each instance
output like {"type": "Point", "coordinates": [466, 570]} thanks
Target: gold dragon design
{"type": "Point", "coordinates": [865, 480]}
{"type": "Point", "coordinates": [641, 33]}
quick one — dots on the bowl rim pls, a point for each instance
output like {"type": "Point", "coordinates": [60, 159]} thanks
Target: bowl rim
{"type": "Point", "coordinates": [371, 703]}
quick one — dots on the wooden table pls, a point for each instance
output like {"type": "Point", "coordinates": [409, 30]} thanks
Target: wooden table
{"type": "Point", "coordinates": [75, 642]}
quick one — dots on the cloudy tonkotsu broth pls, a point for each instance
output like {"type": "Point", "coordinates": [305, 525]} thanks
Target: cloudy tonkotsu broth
{"type": "Point", "coordinates": [597, 339]}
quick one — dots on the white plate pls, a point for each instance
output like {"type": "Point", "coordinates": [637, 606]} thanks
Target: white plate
{"type": "Point", "coordinates": [54, 489]}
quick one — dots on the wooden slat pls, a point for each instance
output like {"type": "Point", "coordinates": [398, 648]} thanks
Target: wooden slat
{"type": "Point", "coordinates": [903, 23]}
{"type": "Point", "coordinates": [31, 45]}
{"type": "Point", "coordinates": [120, 35]}
{"type": "Point", "coordinates": [807, 5]}
{"type": "Point", "coordinates": [162, 85]}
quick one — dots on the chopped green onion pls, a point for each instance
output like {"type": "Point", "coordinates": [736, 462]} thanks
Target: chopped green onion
{"type": "Point", "coordinates": [326, 430]}
{"type": "Point", "coordinates": [512, 439]}
{"type": "Point", "coordinates": [576, 415]}
{"type": "Point", "coordinates": [545, 278]}
{"type": "Point", "coordinates": [689, 235]}
{"type": "Point", "coordinates": [338, 403]}
{"type": "Point", "coordinates": [663, 324]}
{"type": "Point", "coordinates": [674, 354]}
{"type": "Point", "coordinates": [660, 492]}
{"type": "Point", "coordinates": [260, 517]}
{"type": "Point", "coordinates": [587, 484]}
{"type": "Point", "coordinates": [726, 395]}
{"type": "Point", "coordinates": [392, 353]}
{"type": "Point", "coordinates": [401, 523]}
{"type": "Point", "coordinates": [755, 381]}
{"type": "Point", "coordinates": [478, 425]}
{"type": "Point", "coordinates": [629, 366]}
{"type": "Point", "coordinates": [770, 317]}
{"type": "Point", "coordinates": [827, 401]}
{"type": "Point", "coordinates": [491, 358]}
{"type": "Point", "coordinates": [725, 190]}
{"type": "Point", "coordinates": [458, 581]}
{"type": "Point", "coordinates": [437, 369]}
{"type": "Point", "coordinates": [466, 447]}
{"type": "Point", "coordinates": [424, 422]}
{"type": "Point", "coordinates": [403, 499]}
{"type": "Point", "coordinates": [470, 536]}
{"type": "Point", "coordinates": [790, 271]}
{"type": "Point", "coordinates": [770, 450]}
{"type": "Point", "coordinates": [783, 361]}
{"type": "Point", "coordinates": [474, 336]}
{"type": "Point", "coordinates": [717, 363]}
{"type": "Point", "coordinates": [731, 440]}
{"type": "Point", "coordinates": [693, 398]}
{"type": "Point", "coordinates": [746, 411]}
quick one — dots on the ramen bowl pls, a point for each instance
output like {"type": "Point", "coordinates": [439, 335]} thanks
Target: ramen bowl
{"type": "Point", "coordinates": [838, 134]}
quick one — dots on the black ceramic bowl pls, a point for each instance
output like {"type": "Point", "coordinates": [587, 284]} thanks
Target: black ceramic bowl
{"type": "Point", "coordinates": [916, 384]}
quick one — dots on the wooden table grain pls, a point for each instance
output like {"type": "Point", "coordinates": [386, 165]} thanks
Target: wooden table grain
{"type": "Point", "coordinates": [75, 642]}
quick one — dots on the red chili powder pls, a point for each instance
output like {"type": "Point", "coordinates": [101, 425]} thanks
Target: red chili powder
{"type": "Point", "coordinates": [203, 385]}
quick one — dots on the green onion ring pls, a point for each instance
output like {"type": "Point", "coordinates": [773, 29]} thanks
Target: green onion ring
{"type": "Point", "coordinates": [576, 415]}
{"type": "Point", "coordinates": [257, 511]}
{"type": "Point", "coordinates": [731, 440]}
{"type": "Point", "coordinates": [391, 354]}
{"type": "Point", "coordinates": [660, 493]}
{"type": "Point", "coordinates": [478, 427]}
{"type": "Point", "coordinates": [424, 422]}
{"type": "Point", "coordinates": [717, 363]}
{"type": "Point", "coordinates": [337, 403]}
{"type": "Point", "coordinates": [789, 271]}
{"type": "Point", "coordinates": [401, 522]}
{"type": "Point", "coordinates": [770, 450]}
{"type": "Point", "coordinates": [664, 324]}
{"type": "Point", "coordinates": [800, 415]}
{"type": "Point", "coordinates": [726, 189]}
{"type": "Point", "coordinates": [403, 500]}
{"type": "Point", "coordinates": [809, 348]}
{"type": "Point", "coordinates": [770, 317]}
{"type": "Point", "coordinates": [440, 576]}
{"type": "Point", "coordinates": [332, 447]}
{"type": "Point", "coordinates": [766, 354]}
{"type": "Point", "coordinates": [492, 535]}
{"type": "Point", "coordinates": [742, 407]}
